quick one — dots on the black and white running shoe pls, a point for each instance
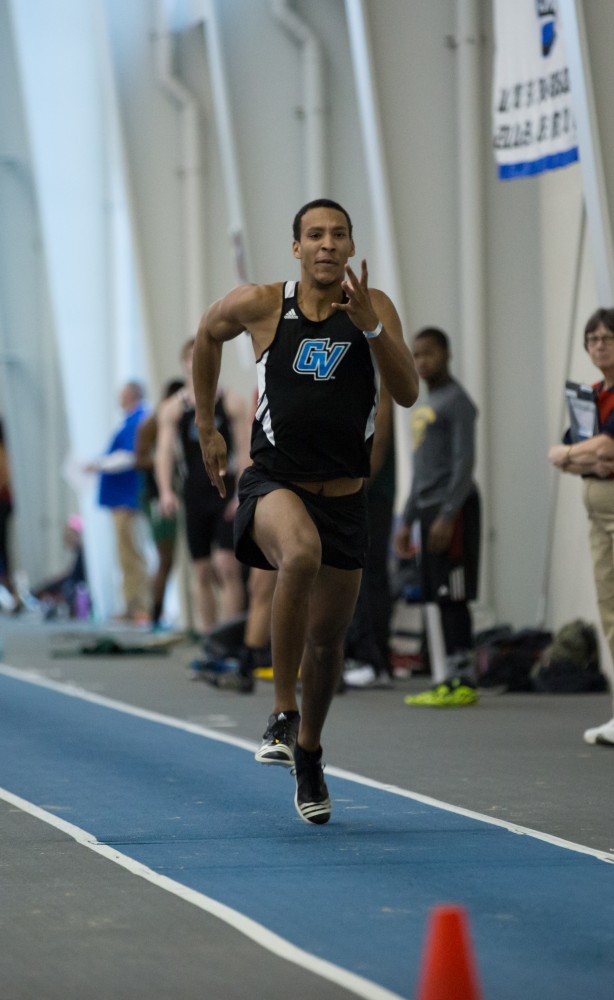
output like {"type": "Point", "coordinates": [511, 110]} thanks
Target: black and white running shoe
{"type": "Point", "coordinates": [311, 800]}
{"type": "Point", "coordinates": [279, 739]}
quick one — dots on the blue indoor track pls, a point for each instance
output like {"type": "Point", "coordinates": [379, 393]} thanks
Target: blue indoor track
{"type": "Point", "coordinates": [197, 809]}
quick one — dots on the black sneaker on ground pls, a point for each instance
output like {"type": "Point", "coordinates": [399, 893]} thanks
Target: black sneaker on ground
{"type": "Point", "coordinates": [311, 800]}
{"type": "Point", "coordinates": [232, 680]}
{"type": "Point", "coordinates": [279, 739]}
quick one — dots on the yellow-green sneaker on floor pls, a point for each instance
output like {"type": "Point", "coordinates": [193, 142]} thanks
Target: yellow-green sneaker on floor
{"type": "Point", "coordinates": [454, 693]}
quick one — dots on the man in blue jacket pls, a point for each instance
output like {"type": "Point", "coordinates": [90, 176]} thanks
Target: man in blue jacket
{"type": "Point", "coordinates": [120, 485]}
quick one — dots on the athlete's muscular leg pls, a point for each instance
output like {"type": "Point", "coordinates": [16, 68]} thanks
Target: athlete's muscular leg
{"type": "Point", "coordinates": [204, 579]}
{"type": "Point", "coordinates": [288, 537]}
{"type": "Point", "coordinates": [260, 589]}
{"type": "Point", "coordinates": [165, 548]}
{"type": "Point", "coordinates": [231, 589]}
{"type": "Point", "coordinates": [333, 599]}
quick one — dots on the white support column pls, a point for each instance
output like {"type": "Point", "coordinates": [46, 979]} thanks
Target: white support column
{"type": "Point", "coordinates": [471, 250]}
{"type": "Point", "coordinates": [204, 12]}
{"type": "Point", "coordinates": [189, 170]}
{"type": "Point", "coordinates": [312, 96]}
{"type": "Point", "coordinates": [90, 258]}
{"type": "Point", "coordinates": [223, 121]}
{"type": "Point", "coordinates": [384, 269]}
{"type": "Point", "coordinates": [591, 159]}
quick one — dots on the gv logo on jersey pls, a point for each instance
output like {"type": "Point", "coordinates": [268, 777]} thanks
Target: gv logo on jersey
{"type": "Point", "coordinates": [319, 357]}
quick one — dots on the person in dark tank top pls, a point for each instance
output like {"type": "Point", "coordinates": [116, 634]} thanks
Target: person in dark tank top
{"type": "Point", "coordinates": [208, 516]}
{"type": "Point", "coordinates": [323, 347]}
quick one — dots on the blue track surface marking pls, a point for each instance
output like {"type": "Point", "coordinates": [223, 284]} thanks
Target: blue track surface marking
{"type": "Point", "coordinates": [355, 893]}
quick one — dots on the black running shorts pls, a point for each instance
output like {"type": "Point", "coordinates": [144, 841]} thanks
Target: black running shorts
{"type": "Point", "coordinates": [341, 522]}
{"type": "Point", "coordinates": [207, 526]}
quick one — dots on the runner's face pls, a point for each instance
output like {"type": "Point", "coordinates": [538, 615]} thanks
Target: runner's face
{"type": "Point", "coordinates": [324, 246]}
{"type": "Point", "coordinates": [430, 359]}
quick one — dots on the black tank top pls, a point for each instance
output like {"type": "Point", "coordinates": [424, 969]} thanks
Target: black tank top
{"type": "Point", "coordinates": [196, 480]}
{"type": "Point", "coordinates": [318, 389]}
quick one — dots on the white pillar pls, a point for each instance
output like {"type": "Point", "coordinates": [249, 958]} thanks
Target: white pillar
{"type": "Point", "coordinates": [591, 158]}
{"type": "Point", "coordinates": [83, 196]}
{"type": "Point", "coordinates": [312, 97]}
{"type": "Point", "coordinates": [470, 155]}
{"type": "Point", "coordinates": [383, 269]}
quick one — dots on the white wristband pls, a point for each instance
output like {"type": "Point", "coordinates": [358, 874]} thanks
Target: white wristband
{"type": "Point", "coordinates": [372, 334]}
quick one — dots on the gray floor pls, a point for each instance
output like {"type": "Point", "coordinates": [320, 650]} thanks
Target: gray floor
{"type": "Point", "coordinates": [74, 925]}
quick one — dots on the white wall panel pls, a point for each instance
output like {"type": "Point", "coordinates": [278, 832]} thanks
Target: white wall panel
{"type": "Point", "coordinates": [31, 401]}
{"type": "Point", "coordinates": [77, 168]}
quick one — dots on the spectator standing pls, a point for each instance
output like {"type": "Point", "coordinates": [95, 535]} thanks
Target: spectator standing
{"type": "Point", "coordinates": [119, 491]}
{"type": "Point", "coordinates": [255, 649]}
{"type": "Point", "coordinates": [163, 529]}
{"type": "Point", "coordinates": [444, 500]}
{"type": "Point", "coordinates": [593, 459]}
{"type": "Point", "coordinates": [209, 517]}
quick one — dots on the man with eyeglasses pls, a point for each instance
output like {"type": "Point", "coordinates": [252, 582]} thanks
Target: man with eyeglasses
{"type": "Point", "coordinates": [593, 459]}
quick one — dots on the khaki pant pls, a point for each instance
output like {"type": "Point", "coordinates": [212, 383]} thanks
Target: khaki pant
{"type": "Point", "coordinates": [599, 503]}
{"type": "Point", "coordinates": [135, 581]}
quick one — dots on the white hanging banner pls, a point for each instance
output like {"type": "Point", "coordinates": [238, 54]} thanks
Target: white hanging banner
{"type": "Point", "coordinates": [533, 124]}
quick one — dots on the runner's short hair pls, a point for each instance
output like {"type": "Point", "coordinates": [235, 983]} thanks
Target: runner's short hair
{"type": "Point", "coordinates": [318, 203]}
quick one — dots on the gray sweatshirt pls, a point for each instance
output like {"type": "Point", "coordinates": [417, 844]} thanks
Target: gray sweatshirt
{"type": "Point", "coordinates": [443, 438]}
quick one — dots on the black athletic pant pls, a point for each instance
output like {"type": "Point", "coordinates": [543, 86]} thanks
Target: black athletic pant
{"type": "Point", "coordinates": [450, 578]}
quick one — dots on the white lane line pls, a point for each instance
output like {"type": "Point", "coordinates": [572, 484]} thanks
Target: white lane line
{"type": "Point", "coordinates": [72, 690]}
{"type": "Point", "coordinates": [250, 928]}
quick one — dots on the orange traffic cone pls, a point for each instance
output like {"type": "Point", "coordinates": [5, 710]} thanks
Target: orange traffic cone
{"type": "Point", "coordinates": [448, 970]}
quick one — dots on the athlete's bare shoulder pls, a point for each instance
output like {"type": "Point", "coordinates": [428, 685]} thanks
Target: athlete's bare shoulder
{"type": "Point", "coordinates": [247, 307]}
{"type": "Point", "coordinates": [266, 299]}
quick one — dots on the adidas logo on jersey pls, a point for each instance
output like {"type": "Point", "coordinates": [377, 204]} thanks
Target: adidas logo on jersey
{"type": "Point", "coordinates": [291, 314]}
